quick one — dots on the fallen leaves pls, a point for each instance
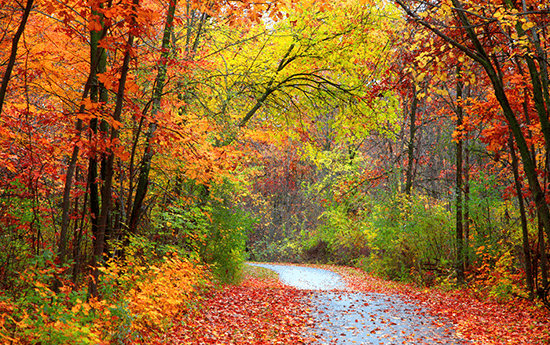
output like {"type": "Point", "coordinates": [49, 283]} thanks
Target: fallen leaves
{"type": "Point", "coordinates": [260, 311]}
{"type": "Point", "coordinates": [485, 322]}
{"type": "Point", "coordinates": [264, 311]}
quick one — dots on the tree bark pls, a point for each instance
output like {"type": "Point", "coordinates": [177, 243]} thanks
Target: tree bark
{"type": "Point", "coordinates": [543, 257]}
{"type": "Point", "coordinates": [13, 53]}
{"type": "Point", "coordinates": [109, 169]}
{"type": "Point", "coordinates": [98, 93]}
{"type": "Point", "coordinates": [410, 146]}
{"type": "Point", "coordinates": [523, 217]}
{"type": "Point", "coordinates": [466, 224]}
{"type": "Point", "coordinates": [459, 229]}
{"type": "Point", "coordinates": [141, 189]}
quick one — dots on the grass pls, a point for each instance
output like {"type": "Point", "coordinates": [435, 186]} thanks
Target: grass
{"type": "Point", "coordinates": [260, 273]}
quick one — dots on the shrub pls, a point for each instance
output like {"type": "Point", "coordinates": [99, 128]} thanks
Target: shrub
{"type": "Point", "coordinates": [495, 274]}
{"type": "Point", "coordinates": [341, 237]}
{"type": "Point", "coordinates": [212, 226]}
{"type": "Point", "coordinates": [412, 236]}
{"type": "Point", "coordinates": [138, 297]}
{"type": "Point", "coordinates": [226, 242]}
{"type": "Point", "coordinates": [285, 250]}
{"type": "Point", "coordinates": [40, 315]}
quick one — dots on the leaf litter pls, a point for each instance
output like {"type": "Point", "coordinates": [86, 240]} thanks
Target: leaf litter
{"type": "Point", "coordinates": [369, 310]}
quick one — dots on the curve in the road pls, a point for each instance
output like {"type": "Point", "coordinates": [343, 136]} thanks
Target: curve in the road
{"type": "Point", "coordinates": [346, 317]}
{"type": "Point", "coordinates": [305, 278]}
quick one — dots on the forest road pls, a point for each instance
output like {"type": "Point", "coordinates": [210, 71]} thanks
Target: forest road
{"type": "Point", "coordinates": [343, 316]}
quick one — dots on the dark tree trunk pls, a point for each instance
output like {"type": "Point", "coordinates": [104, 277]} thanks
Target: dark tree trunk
{"type": "Point", "coordinates": [459, 229]}
{"type": "Point", "coordinates": [106, 201]}
{"type": "Point", "coordinates": [410, 146]}
{"type": "Point", "coordinates": [98, 93]}
{"type": "Point", "coordinates": [523, 217]}
{"type": "Point", "coordinates": [143, 182]}
{"type": "Point", "coordinates": [466, 207]}
{"type": "Point", "coordinates": [13, 53]}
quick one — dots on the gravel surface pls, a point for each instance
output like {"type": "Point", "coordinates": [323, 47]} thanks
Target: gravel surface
{"type": "Point", "coordinates": [349, 317]}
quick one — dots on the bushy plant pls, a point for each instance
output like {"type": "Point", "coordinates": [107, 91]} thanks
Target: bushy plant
{"type": "Point", "coordinates": [496, 274]}
{"type": "Point", "coordinates": [413, 236]}
{"type": "Point", "coordinates": [342, 237]}
{"type": "Point", "coordinates": [40, 315]}
{"type": "Point", "coordinates": [226, 242]}
{"type": "Point", "coordinates": [285, 250]}
{"type": "Point", "coordinates": [155, 294]}
{"type": "Point", "coordinates": [139, 296]}
{"type": "Point", "coordinates": [210, 225]}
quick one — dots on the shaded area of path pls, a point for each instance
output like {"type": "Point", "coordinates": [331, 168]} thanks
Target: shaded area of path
{"type": "Point", "coordinates": [349, 317]}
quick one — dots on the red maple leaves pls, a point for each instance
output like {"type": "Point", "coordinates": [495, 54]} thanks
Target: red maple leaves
{"type": "Point", "coordinates": [264, 311]}
{"type": "Point", "coordinates": [260, 311]}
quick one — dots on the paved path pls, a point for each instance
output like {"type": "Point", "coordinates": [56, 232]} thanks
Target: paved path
{"type": "Point", "coordinates": [345, 317]}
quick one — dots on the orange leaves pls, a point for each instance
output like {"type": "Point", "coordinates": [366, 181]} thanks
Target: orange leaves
{"type": "Point", "coordinates": [94, 24]}
{"type": "Point", "coordinates": [153, 296]}
{"type": "Point", "coordinates": [165, 293]}
{"type": "Point", "coordinates": [196, 143]}
{"type": "Point", "coordinates": [120, 152]}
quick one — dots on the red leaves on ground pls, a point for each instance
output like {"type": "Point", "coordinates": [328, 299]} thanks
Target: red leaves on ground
{"type": "Point", "coordinates": [264, 311]}
{"type": "Point", "coordinates": [482, 321]}
{"type": "Point", "coordinates": [257, 312]}
{"type": "Point", "coordinates": [488, 322]}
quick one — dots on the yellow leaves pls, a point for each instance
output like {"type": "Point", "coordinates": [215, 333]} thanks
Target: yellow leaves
{"type": "Point", "coordinates": [446, 9]}
{"type": "Point", "coordinates": [528, 25]}
{"type": "Point", "coordinates": [164, 293]}
{"type": "Point", "coordinates": [420, 77]}
{"type": "Point", "coordinates": [442, 92]}
{"type": "Point", "coordinates": [500, 14]}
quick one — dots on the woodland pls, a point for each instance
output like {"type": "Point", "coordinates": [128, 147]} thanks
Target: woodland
{"type": "Point", "coordinates": [148, 148]}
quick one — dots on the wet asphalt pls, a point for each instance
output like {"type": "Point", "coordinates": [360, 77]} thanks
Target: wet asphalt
{"type": "Point", "coordinates": [349, 317]}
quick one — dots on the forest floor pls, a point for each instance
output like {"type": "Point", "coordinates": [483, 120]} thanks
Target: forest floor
{"type": "Point", "coordinates": [262, 310]}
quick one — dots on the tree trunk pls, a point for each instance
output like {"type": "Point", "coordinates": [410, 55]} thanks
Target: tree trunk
{"type": "Point", "coordinates": [109, 170]}
{"type": "Point", "coordinates": [543, 256]}
{"type": "Point", "coordinates": [410, 146]}
{"type": "Point", "coordinates": [141, 189]}
{"type": "Point", "coordinates": [466, 207]}
{"type": "Point", "coordinates": [523, 217]}
{"type": "Point", "coordinates": [459, 229]}
{"type": "Point", "coordinates": [13, 53]}
{"type": "Point", "coordinates": [98, 93]}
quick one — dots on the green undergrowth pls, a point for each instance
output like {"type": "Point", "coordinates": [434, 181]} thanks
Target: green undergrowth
{"type": "Point", "coordinates": [258, 272]}
{"type": "Point", "coordinates": [412, 239]}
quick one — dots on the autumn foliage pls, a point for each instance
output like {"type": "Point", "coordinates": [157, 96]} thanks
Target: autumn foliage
{"type": "Point", "coordinates": [407, 138]}
{"type": "Point", "coordinates": [138, 300]}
